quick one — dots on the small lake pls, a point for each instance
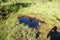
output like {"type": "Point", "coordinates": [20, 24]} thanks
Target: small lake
{"type": "Point", "coordinates": [33, 24]}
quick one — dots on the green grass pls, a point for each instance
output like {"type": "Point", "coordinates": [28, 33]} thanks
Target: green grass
{"type": "Point", "coordinates": [10, 29]}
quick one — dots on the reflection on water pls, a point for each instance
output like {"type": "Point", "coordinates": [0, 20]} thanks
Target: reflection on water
{"type": "Point", "coordinates": [54, 35]}
{"type": "Point", "coordinates": [34, 23]}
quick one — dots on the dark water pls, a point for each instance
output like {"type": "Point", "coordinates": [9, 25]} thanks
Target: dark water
{"type": "Point", "coordinates": [54, 34]}
{"type": "Point", "coordinates": [33, 24]}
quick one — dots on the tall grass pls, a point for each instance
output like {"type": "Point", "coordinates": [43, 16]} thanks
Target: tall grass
{"type": "Point", "coordinates": [46, 11]}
